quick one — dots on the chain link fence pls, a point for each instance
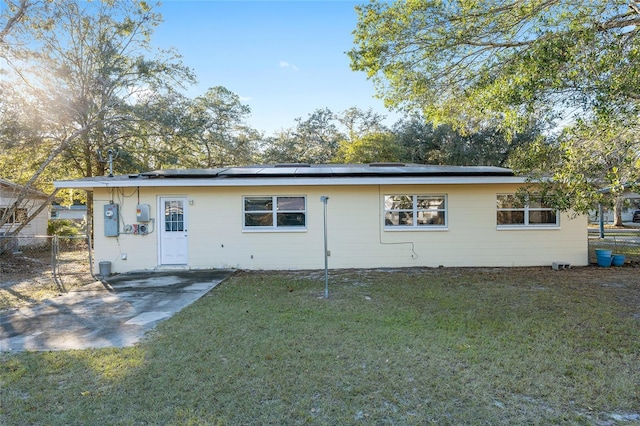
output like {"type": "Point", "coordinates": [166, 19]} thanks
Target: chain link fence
{"type": "Point", "coordinates": [55, 262]}
{"type": "Point", "coordinates": [70, 261]}
{"type": "Point", "coordinates": [619, 241]}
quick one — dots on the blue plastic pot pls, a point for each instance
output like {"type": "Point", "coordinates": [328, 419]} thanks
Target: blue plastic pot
{"type": "Point", "coordinates": [604, 260]}
{"type": "Point", "coordinates": [603, 252]}
{"type": "Point", "coordinates": [617, 259]}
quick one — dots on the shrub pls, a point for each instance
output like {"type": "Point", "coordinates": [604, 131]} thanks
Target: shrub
{"type": "Point", "coordinates": [65, 228]}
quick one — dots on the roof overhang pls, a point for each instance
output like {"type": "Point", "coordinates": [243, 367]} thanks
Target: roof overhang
{"type": "Point", "coordinates": [146, 183]}
{"type": "Point", "coordinates": [14, 188]}
{"type": "Point", "coordinates": [304, 175]}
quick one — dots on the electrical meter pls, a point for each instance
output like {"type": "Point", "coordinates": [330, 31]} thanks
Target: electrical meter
{"type": "Point", "coordinates": [111, 222]}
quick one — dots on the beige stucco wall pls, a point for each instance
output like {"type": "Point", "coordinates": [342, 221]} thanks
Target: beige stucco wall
{"type": "Point", "coordinates": [355, 231]}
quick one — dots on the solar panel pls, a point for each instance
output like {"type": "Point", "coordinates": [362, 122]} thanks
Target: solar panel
{"type": "Point", "coordinates": [331, 170]}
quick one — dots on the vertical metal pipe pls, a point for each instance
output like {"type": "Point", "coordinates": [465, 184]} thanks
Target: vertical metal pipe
{"type": "Point", "coordinates": [324, 200]}
{"type": "Point", "coordinates": [601, 220]}
{"type": "Point", "coordinates": [54, 256]}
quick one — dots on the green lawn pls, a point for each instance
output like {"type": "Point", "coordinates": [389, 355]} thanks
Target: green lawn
{"type": "Point", "coordinates": [416, 346]}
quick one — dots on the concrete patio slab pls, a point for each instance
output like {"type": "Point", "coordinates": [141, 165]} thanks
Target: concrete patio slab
{"type": "Point", "coordinates": [114, 313]}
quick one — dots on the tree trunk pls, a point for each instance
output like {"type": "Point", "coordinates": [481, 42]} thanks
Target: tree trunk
{"type": "Point", "coordinates": [617, 211]}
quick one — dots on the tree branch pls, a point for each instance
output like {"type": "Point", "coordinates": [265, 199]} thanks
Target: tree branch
{"type": "Point", "coordinates": [14, 19]}
{"type": "Point", "coordinates": [27, 186]}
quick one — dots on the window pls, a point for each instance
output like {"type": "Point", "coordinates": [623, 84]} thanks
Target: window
{"type": "Point", "coordinates": [415, 211]}
{"type": "Point", "coordinates": [271, 212]}
{"type": "Point", "coordinates": [173, 216]}
{"type": "Point", "coordinates": [513, 212]}
{"type": "Point", "coordinates": [19, 216]}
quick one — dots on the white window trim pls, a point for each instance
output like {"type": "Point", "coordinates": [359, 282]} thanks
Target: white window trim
{"type": "Point", "coordinates": [13, 219]}
{"type": "Point", "coordinates": [415, 227]}
{"type": "Point", "coordinates": [526, 226]}
{"type": "Point", "coordinates": [274, 227]}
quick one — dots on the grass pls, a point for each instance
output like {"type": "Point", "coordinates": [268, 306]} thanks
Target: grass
{"type": "Point", "coordinates": [423, 346]}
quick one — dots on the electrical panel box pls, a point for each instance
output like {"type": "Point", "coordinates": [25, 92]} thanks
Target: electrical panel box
{"type": "Point", "coordinates": [143, 212]}
{"type": "Point", "coordinates": [111, 220]}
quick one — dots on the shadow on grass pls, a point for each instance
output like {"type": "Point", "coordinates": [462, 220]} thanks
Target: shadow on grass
{"type": "Point", "coordinates": [453, 346]}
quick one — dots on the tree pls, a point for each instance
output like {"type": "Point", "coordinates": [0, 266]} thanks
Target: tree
{"type": "Point", "coordinates": [590, 163]}
{"type": "Point", "coordinates": [280, 148]}
{"type": "Point", "coordinates": [506, 65]}
{"type": "Point", "coordinates": [222, 136]}
{"type": "Point", "coordinates": [314, 140]}
{"type": "Point", "coordinates": [359, 123]}
{"type": "Point", "coordinates": [86, 68]}
{"type": "Point", "coordinates": [160, 136]}
{"type": "Point", "coordinates": [101, 67]}
{"type": "Point", "coordinates": [490, 146]}
{"type": "Point", "coordinates": [370, 148]}
{"type": "Point", "coordinates": [469, 63]}
{"type": "Point", "coordinates": [12, 14]}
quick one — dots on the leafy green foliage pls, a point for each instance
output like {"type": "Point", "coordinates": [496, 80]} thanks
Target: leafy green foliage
{"type": "Point", "coordinates": [85, 66]}
{"type": "Point", "coordinates": [358, 123]}
{"type": "Point", "coordinates": [424, 143]}
{"type": "Point", "coordinates": [314, 140]}
{"type": "Point", "coordinates": [219, 133]}
{"type": "Point", "coordinates": [590, 163]}
{"type": "Point", "coordinates": [78, 74]}
{"type": "Point", "coordinates": [486, 64]}
{"type": "Point", "coordinates": [356, 136]}
{"type": "Point", "coordinates": [65, 228]}
{"type": "Point", "coordinates": [370, 148]}
{"type": "Point", "coordinates": [469, 63]}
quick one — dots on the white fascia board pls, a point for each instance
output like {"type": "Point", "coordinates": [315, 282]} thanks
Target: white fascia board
{"type": "Point", "coordinates": [236, 182]}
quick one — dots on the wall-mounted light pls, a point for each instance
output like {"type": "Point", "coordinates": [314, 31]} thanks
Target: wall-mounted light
{"type": "Point", "coordinates": [190, 202]}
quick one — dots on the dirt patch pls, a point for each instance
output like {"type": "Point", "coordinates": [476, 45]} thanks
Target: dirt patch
{"type": "Point", "coordinates": [23, 266]}
{"type": "Point", "coordinates": [27, 277]}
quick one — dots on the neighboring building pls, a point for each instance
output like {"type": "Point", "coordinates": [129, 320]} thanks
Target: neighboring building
{"type": "Point", "coordinates": [272, 217]}
{"type": "Point", "coordinates": [35, 231]}
{"type": "Point", "coordinates": [74, 212]}
{"type": "Point", "coordinates": [631, 204]}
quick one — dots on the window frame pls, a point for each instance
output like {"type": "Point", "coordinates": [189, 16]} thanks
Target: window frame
{"type": "Point", "coordinates": [274, 227]}
{"type": "Point", "coordinates": [20, 212]}
{"type": "Point", "coordinates": [414, 211]}
{"type": "Point", "coordinates": [526, 209]}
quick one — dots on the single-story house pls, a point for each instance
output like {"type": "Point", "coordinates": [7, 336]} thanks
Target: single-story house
{"type": "Point", "coordinates": [631, 204]}
{"type": "Point", "coordinates": [34, 233]}
{"type": "Point", "coordinates": [377, 215]}
{"type": "Point", "coordinates": [76, 212]}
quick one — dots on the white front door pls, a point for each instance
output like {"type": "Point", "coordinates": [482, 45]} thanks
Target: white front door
{"type": "Point", "coordinates": [173, 231]}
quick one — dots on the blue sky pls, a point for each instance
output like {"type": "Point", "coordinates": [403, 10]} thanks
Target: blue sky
{"type": "Point", "coordinates": [285, 59]}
